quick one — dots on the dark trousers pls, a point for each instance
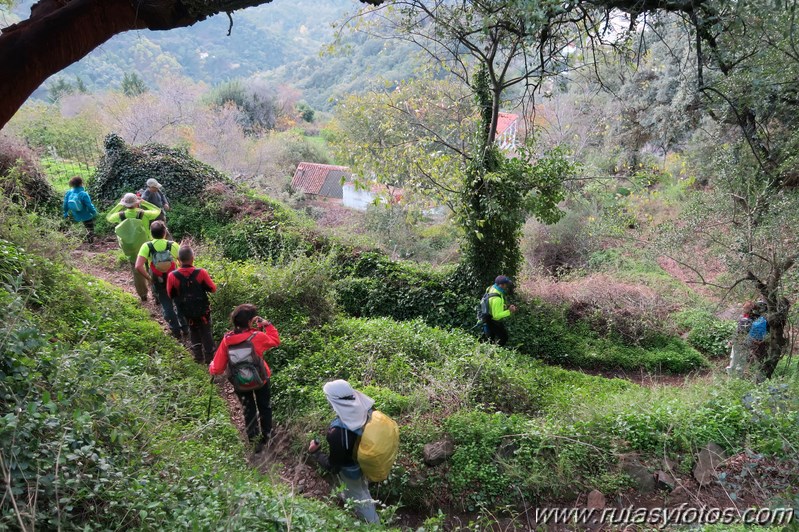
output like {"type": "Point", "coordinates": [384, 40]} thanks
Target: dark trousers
{"type": "Point", "coordinates": [172, 316]}
{"type": "Point", "coordinates": [202, 340]}
{"type": "Point", "coordinates": [259, 422]}
{"type": "Point", "coordinates": [89, 225]}
{"type": "Point", "coordinates": [496, 332]}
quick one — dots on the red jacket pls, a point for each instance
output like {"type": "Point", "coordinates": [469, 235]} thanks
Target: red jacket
{"type": "Point", "coordinates": [264, 339]}
{"type": "Point", "coordinates": [173, 284]}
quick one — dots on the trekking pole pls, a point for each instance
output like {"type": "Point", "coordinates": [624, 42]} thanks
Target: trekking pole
{"type": "Point", "coordinates": [210, 398]}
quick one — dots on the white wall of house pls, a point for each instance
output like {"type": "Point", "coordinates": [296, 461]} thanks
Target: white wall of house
{"type": "Point", "coordinates": [356, 199]}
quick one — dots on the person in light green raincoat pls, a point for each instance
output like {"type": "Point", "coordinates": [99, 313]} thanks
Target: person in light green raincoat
{"type": "Point", "coordinates": [133, 216]}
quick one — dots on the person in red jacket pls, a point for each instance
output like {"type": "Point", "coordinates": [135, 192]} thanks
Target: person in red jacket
{"type": "Point", "coordinates": [247, 325]}
{"type": "Point", "coordinates": [189, 287]}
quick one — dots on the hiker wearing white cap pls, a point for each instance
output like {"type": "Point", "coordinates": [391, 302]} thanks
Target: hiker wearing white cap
{"type": "Point", "coordinates": [155, 195]}
{"type": "Point", "coordinates": [133, 216]}
{"type": "Point", "coordinates": [352, 410]}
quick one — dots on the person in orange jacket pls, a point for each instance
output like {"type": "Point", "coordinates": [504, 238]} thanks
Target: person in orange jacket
{"type": "Point", "coordinates": [250, 331]}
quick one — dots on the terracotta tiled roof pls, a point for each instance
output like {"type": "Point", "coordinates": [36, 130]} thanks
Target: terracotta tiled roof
{"type": "Point", "coordinates": [319, 179]}
{"type": "Point", "coordinates": [504, 121]}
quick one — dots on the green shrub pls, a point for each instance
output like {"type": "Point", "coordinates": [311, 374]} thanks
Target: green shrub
{"type": "Point", "coordinates": [21, 178]}
{"type": "Point", "coordinates": [706, 333]}
{"type": "Point", "coordinates": [104, 421]}
{"type": "Point", "coordinates": [296, 296]}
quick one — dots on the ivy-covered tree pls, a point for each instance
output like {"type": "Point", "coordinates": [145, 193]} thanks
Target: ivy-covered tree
{"type": "Point", "coordinates": [501, 50]}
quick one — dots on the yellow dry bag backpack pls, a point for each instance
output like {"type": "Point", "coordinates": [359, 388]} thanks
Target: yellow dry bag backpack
{"type": "Point", "coordinates": [378, 446]}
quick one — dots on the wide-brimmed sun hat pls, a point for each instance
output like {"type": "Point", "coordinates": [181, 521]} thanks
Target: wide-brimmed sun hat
{"type": "Point", "coordinates": [351, 405]}
{"type": "Point", "coordinates": [129, 200]}
{"type": "Point", "coordinates": [153, 183]}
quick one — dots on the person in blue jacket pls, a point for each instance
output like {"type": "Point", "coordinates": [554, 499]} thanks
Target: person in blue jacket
{"type": "Point", "coordinates": [758, 345]}
{"type": "Point", "coordinates": [78, 204]}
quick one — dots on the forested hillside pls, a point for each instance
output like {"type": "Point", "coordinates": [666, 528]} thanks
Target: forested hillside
{"type": "Point", "coordinates": [631, 168]}
{"type": "Point", "coordinates": [282, 42]}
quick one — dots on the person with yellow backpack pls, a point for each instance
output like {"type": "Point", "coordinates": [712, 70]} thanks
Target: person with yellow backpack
{"type": "Point", "coordinates": [133, 217]}
{"type": "Point", "coordinates": [363, 445]}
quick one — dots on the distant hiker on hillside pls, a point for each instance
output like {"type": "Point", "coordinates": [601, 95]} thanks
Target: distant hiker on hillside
{"type": "Point", "coordinates": [156, 196]}
{"type": "Point", "coordinates": [133, 217]}
{"type": "Point", "coordinates": [241, 352]}
{"type": "Point", "coordinates": [188, 287]}
{"type": "Point", "coordinates": [493, 310]}
{"type": "Point", "coordinates": [157, 258]}
{"type": "Point", "coordinates": [739, 343]}
{"type": "Point", "coordinates": [78, 203]}
{"type": "Point", "coordinates": [758, 346]}
{"type": "Point", "coordinates": [345, 437]}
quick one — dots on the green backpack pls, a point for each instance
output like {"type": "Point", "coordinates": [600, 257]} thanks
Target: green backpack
{"type": "Point", "coordinates": [132, 233]}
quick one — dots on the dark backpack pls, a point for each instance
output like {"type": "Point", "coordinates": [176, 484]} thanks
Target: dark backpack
{"type": "Point", "coordinates": [192, 299]}
{"type": "Point", "coordinates": [246, 369]}
{"type": "Point", "coordinates": [484, 308]}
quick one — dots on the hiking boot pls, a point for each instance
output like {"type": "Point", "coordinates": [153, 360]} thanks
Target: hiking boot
{"type": "Point", "coordinates": [143, 299]}
{"type": "Point", "coordinates": [176, 334]}
{"type": "Point", "coordinates": [259, 447]}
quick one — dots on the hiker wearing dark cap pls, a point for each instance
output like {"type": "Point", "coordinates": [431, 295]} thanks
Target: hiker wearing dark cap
{"type": "Point", "coordinates": [494, 328]}
{"type": "Point", "coordinates": [352, 412]}
{"type": "Point", "coordinates": [157, 259]}
{"type": "Point", "coordinates": [758, 339]}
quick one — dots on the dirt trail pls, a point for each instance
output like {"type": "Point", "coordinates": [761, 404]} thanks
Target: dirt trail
{"type": "Point", "coordinates": [280, 459]}
{"type": "Point", "coordinates": [99, 260]}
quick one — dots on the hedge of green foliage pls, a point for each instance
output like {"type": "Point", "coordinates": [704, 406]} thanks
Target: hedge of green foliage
{"type": "Point", "coordinates": [126, 168]}
{"type": "Point", "coordinates": [372, 285]}
{"type": "Point", "coordinates": [103, 423]}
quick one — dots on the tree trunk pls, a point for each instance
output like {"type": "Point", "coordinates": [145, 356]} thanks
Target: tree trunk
{"type": "Point", "coordinates": [778, 340]}
{"type": "Point", "coordinates": [55, 36]}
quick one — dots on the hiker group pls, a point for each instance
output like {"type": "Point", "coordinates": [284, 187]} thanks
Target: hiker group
{"type": "Point", "coordinates": [363, 441]}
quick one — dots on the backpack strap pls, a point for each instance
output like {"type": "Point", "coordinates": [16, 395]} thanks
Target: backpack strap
{"type": "Point", "coordinates": [122, 216]}
{"type": "Point", "coordinates": [193, 275]}
{"type": "Point", "coordinates": [152, 250]}
{"type": "Point", "coordinates": [169, 245]}
{"type": "Point", "coordinates": [139, 214]}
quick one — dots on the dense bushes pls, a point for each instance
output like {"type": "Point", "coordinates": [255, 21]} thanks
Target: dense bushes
{"type": "Point", "coordinates": [706, 333]}
{"type": "Point", "coordinates": [371, 285]}
{"type": "Point", "coordinates": [103, 425]}
{"type": "Point", "coordinates": [515, 423]}
{"type": "Point", "coordinates": [21, 179]}
{"type": "Point", "coordinates": [126, 168]}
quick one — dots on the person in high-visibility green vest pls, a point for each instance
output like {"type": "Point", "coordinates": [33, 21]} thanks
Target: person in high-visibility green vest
{"type": "Point", "coordinates": [494, 327]}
